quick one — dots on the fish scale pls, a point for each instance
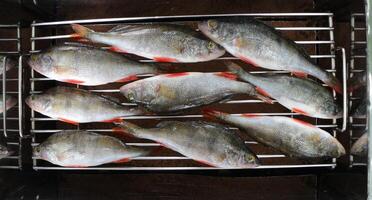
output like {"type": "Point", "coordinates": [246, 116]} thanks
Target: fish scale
{"type": "Point", "coordinates": [290, 136]}
{"type": "Point", "coordinates": [205, 142]}
{"type": "Point", "coordinates": [261, 45]}
{"type": "Point", "coordinates": [83, 149]}
{"type": "Point", "coordinates": [162, 43]}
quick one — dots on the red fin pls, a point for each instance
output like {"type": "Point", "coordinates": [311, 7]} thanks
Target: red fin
{"type": "Point", "coordinates": [117, 120]}
{"type": "Point", "coordinates": [165, 59]}
{"type": "Point", "coordinates": [263, 92]}
{"type": "Point", "coordinates": [123, 160]}
{"type": "Point", "coordinates": [296, 110]}
{"type": "Point", "coordinates": [303, 123]}
{"type": "Point", "coordinates": [247, 60]}
{"type": "Point", "coordinates": [338, 89]}
{"type": "Point", "coordinates": [228, 75]}
{"type": "Point", "coordinates": [177, 74]}
{"type": "Point", "coordinates": [248, 115]}
{"type": "Point", "coordinates": [122, 132]}
{"type": "Point", "coordinates": [117, 49]}
{"type": "Point", "coordinates": [128, 79]}
{"type": "Point", "coordinates": [73, 81]}
{"type": "Point", "coordinates": [75, 36]}
{"type": "Point", "coordinates": [69, 121]}
{"type": "Point", "coordinates": [206, 163]}
{"type": "Point", "coordinates": [211, 114]}
{"type": "Point", "coordinates": [76, 166]}
{"type": "Point", "coordinates": [300, 74]}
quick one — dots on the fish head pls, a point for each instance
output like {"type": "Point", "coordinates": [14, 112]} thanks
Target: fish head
{"type": "Point", "coordinates": [330, 108]}
{"type": "Point", "coordinates": [214, 29]}
{"type": "Point", "coordinates": [43, 151]}
{"type": "Point", "coordinates": [139, 92]}
{"type": "Point", "coordinates": [240, 158]}
{"type": "Point", "coordinates": [40, 102]}
{"type": "Point", "coordinates": [42, 62]}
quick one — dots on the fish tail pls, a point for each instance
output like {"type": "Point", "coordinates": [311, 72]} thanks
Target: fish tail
{"type": "Point", "coordinates": [334, 83]}
{"type": "Point", "coordinates": [234, 68]}
{"type": "Point", "coordinates": [127, 127]}
{"type": "Point", "coordinates": [213, 114]}
{"type": "Point", "coordinates": [81, 31]}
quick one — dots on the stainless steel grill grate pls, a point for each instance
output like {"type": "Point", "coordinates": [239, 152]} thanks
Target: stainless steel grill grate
{"type": "Point", "coordinates": [357, 65]}
{"type": "Point", "coordinates": [316, 35]}
{"type": "Point", "coordinates": [11, 125]}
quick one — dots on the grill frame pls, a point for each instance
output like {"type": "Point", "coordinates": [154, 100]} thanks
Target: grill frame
{"type": "Point", "coordinates": [13, 135]}
{"type": "Point", "coordinates": [354, 46]}
{"type": "Point", "coordinates": [274, 16]}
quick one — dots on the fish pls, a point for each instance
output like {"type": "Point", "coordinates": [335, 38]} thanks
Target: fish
{"type": "Point", "coordinates": [290, 136]}
{"type": "Point", "coordinates": [360, 147]}
{"type": "Point", "coordinates": [206, 142]}
{"type": "Point", "coordinates": [76, 106]}
{"type": "Point", "coordinates": [303, 96]}
{"type": "Point", "coordinates": [360, 110]}
{"type": "Point", "coordinates": [168, 93]}
{"type": "Point", "coordinates": [261, 45]}
{"type": "Point", "coordinates": [4, 150]}
{"type": "Point", "coordinates": [160, 42]}
{"type": "Point", "coordinates": [87, 65]}
{"type": "Point", "coordinates": [10, 102]}
{"type": "Point", "coordinates": [76, 148]}
{"type": "Point", "coordinates": [10, 63]}
{"type": "Point", "coordinates": [357, 81]}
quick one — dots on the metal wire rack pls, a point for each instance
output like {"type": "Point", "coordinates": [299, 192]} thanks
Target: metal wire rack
{"type": "Point", "coordinates": [11, 125]}
{"type": "Point", "coordinates": [357, 65]}
{"type": "Point", "coordinates": [317, 36]}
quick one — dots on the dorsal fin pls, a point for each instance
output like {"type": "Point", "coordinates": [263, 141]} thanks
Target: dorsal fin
{"type": "Point", "coordinates": [125, 28]}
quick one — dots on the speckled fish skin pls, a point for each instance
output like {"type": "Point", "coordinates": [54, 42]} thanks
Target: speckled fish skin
{"type": "Point", "coordinates": [360, 147]}
{"type": "Point", "coordinates": [87, 65]}
{"type": "Point", "coordinates": [299, 95]}
{"type": "Point", "coordinates": [10, 63]}
{"type": "Point", "coordinates": [357, 81]}
{"type": "Point", "coordinates": [163, 43]}
{"type": "Point", "coordinates": [10, 102]}
{"type": "Point", "coordinates": [174, 92]}
{"type": "Point", "coordinates": [260, 45]}
{"type": "Point", "coordinates": [360, 110]}
{"type": "Point", "coordinates": [85, 149]}
{"type": "Point", "coordinates": [290, 136]}
{"type": "Point", "coordinates": [202, 141]}
{"type": "Point", "coordinates": [77, 105]}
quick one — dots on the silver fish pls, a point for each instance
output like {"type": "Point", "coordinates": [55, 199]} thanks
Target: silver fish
{"type": "Point", "coordinates": [299, 95]}
{"type": "Point", "coordinates": [85, 149]}
{"type": "Point", "coordinates": [79, 106]}
{"type": "Point", "coordinates": [87, 65]}
{"type": "Point", "coordinates": [360, 147]}
{"type": "Point", "coordinates": [162, 43]}
{"type": "Point", "coordinates": [10, 63]}
{"type": "Point", "coordinates": [174, 92]}
{"type": "Point", "coordinates": [259, 44]}
{"type": "Point", "coordinates": [9, 101]}
{"type": "Point", "coordinates": [206, 142]}
{"type": "Point", "coordinates": [288, 135]}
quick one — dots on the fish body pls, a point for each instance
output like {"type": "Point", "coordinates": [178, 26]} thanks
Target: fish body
{"type": "Point", "coordinates": [360, 147]}
{"type": "Point", "coordinates": [299, 95]}
{"type": "Point", "coordinates": [162, 43]}
{"type": "Point", "coordinates": [174, 92]}
{"type": "Point", "coordinates": [9, 100]}
{"type": "Point", "coordinates": [261, 45]}
{"type": "Point", "coordinates": [84, 149]}
{"type": "Point", "coordinates": [206, 142]}
{"type": "Point", "coordinates": [78, 106]}
{"type": "Point", "coordinates": [10, 63]}
{"type": "Point", "coordinates": [87, 65]}
{"type": "Point", "coordinates": [290, 136]}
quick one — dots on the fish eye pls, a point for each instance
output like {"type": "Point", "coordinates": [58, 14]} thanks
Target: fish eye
{"type": "Point", "coordinates": [250, 158]}
{"type": "Point", "coordinates": [130, 96]}
{"type": "Point", "coordinates": [212, 24]}
{"type": "Point", "coordinates": [211, 45]}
